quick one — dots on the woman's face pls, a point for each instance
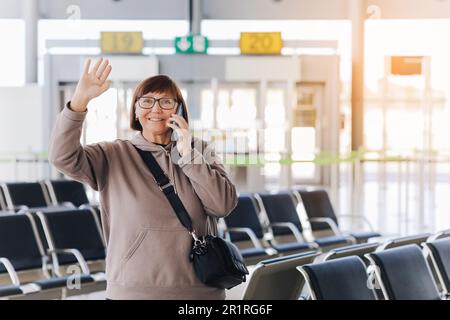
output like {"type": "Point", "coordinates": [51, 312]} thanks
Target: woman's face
{"type": "Point", "coordinates": [154, 109]}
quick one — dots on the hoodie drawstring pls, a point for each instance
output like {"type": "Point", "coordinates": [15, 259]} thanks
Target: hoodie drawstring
{"type": "Point", "coordinates": [171, 173]}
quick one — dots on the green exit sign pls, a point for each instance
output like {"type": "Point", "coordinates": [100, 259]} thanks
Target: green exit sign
{"type": "Point", "coordinates": [191, 44]}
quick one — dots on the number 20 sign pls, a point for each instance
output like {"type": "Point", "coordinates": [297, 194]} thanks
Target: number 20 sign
{"type": "Point", "coordinates": [261, 43]}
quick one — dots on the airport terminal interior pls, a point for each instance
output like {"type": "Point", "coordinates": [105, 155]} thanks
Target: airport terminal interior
{"type": "Point", "coordinates": [329, 120]}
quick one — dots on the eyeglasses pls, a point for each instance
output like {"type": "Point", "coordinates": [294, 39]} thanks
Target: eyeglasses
{"type": "Point", "coordinates": [164, 103]}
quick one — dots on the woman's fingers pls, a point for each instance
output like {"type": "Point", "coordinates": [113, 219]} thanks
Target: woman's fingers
{"type": "Point", "coordinates": [180, 121]}
{"type": "Point", "coordinates": [102, 68]}
{"type": "Point", "coordinates": [174, 127]}
{"type": "Point", "coordinates": [96, 66]}
{"type": "Point", "coordinates": [87, 63]}
{"type": "Point", "coordinates": [105, 73]}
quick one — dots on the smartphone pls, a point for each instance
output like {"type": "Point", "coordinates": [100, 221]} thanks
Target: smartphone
{"type": "Point", "coordinates": [180, 113]}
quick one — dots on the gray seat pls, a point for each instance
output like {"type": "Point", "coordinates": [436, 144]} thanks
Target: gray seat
{"type": "Point", "coordinates": [2, 200]}
{"type": "Point", "coordinates": [277, 278]}
{"type": "Point", "coordinates": [61, 282]}
{"type": "Point", "coordinates": [416, 239]}
{"type": "Point", "coordinates": [360, 250]}
{"type": "Point", "coordinates": [339, 279]}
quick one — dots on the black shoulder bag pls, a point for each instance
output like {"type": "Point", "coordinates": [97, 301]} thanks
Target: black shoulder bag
{"type": "Point", "coordinates": [217, 262]}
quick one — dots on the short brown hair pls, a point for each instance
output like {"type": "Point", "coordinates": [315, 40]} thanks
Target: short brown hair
{"type": "Point", "coordinates": [160, 83]}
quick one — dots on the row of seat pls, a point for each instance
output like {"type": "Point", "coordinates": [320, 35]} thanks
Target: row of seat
{"type": "Point", "coordinates": [243, 223]}
{"type": "Point", "coordinates": [51, 254]}
{"type": "Point", "coordinates": [270, 221]}
{"type": "Point", "coordinates": [46, 193]}
{"type": "Point", "coordinates": [400, 274]}
{"type": "Point", "coordinates": [279, 208]}
{"type": "Point", "coordinates": [37, 246]}
{"type": "Point", "coordinates": [358, 272]}
{"type": "Point", "coordinates": [264, 224]}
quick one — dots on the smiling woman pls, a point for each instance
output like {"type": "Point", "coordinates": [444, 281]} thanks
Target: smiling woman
{"type": "Point", "coordinates": [147, 246]}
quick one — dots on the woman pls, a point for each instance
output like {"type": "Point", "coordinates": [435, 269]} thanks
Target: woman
{"type": "Point", "coordinates": [147, 247]}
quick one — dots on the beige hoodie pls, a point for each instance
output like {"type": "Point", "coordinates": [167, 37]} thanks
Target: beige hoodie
{"type": "Point", "coordinates": [147, 247]}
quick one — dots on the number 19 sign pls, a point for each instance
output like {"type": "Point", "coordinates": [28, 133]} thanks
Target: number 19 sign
{"type": "Point", "coordinates": [261, 43]}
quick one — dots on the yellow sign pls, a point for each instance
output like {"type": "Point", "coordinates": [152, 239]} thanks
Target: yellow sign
{"type": "Point", "coordinates": [122, 42]}
{"type": "Point", "coordinates": [261, 43]}
{"type": "Point", "coordinates": [406, 65]}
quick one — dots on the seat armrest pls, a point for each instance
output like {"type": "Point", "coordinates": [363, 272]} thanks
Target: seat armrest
{"type": "Point", "coordinates": [249, 232]}
{"type": "Point", "coordinates": [292, 227]}
{"type": "Point", "coordinates": [75, 252]}
{"type": "Point", "coordinates": [11, 271]}
{"type": "Point", "coordinates": [330, 222]}
{"type": "Point", "coordinates": [353, 216]}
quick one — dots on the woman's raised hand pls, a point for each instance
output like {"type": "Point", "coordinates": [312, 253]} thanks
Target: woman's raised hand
{"type": "Point", "coordinates": [93, 82]}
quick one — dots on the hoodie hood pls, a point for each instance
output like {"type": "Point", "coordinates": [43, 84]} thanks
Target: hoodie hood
{"type": "Point", "coordinates": [158, 151]}
{"type": "Point", "coordinates": [140, 142]}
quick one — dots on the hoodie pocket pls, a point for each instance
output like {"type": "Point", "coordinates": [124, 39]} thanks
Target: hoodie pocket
{"type": "Point", "coordinates": [137, 242]}
{"type": "Point", "coordinates": [159, 258]}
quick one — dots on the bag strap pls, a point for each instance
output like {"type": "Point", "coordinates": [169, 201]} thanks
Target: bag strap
{"type": "Point", "coordinates": [164, 184]}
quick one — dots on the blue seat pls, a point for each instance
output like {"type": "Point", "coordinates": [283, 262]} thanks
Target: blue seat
{"type": "Point", "coordinates": [329, 241]}
{"type": "Point", "coordinates": [73, 229]}
{"type": "Point", "coordinates": [242, 226]}
{"type": "Point", "coordinates": [322, 217]}
{"type": "Point", "coordinates": [339, 279]}
{"type": "Point", "coordinates": [252, 252]}
{"type": "Point", "coordinates": [284, 220]}
{"type": "Point", "coordinates": [363, 236]}
{"type": "Point", "coordinates": [20, 245]}
{"type": "Point", "coordinates": [29, 194]}
{"type": "Point", "coordinates": [404, 274]}
{"type": "Point", "coordinates": [440, 254]}
{"type": "Point", "coordinates": [10, 290]}
{"type": "Point", "coordinates": [280, 208]}
{"type": "Point", "coordinates": [245, 215]}
{"type": "Point", "coordinates": [67, 191]}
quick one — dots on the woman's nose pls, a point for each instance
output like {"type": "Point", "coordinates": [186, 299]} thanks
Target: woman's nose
{"type": "Point", "coordinates": [156, 107]}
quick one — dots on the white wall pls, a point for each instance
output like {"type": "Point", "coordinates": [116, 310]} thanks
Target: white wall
{"type": "Point", "coordinates": [230, 9]}
{"type": "Point", "coordinates": [10, 9]}
{"type": "Point", "coordinates": [21, 119]}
